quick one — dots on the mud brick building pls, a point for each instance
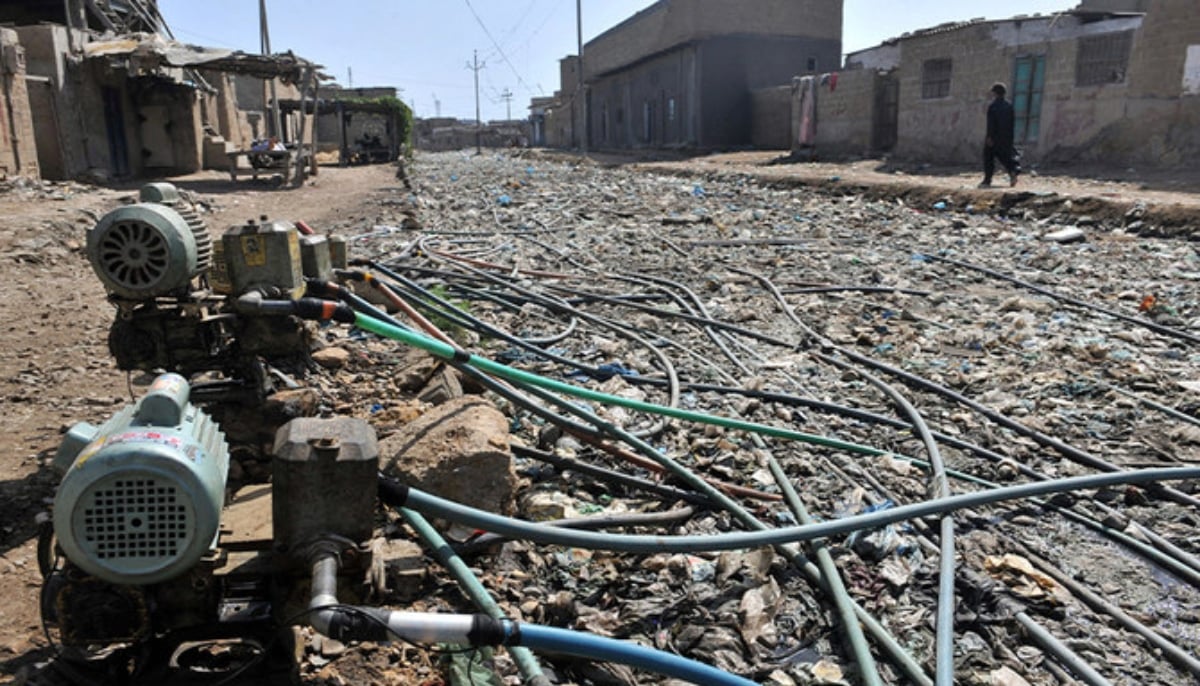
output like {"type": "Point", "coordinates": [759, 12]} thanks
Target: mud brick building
{"type": "Point", "coordinates": [18, 152]}
{"type": "Point", "coordinates": [98, 89]}
{"type": "Point", "coordinates": [1114, 82]}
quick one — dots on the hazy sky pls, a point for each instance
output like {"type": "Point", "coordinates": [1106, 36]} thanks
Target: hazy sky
{"type": "Point", "coordinates": [423, 46]}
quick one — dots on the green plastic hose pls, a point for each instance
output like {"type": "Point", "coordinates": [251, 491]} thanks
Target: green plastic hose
{"type": "Point", "coordinates": [527, 663]}
{"type": "Point", "coordinates": [447, 352]}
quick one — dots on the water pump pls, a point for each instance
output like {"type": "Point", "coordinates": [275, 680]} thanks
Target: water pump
{"type": "Point", "coordinates": [175, 289]}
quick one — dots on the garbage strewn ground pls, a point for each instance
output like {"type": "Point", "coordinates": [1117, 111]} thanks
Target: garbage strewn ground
{"type": "Point", "coordinates": [1035, 344]}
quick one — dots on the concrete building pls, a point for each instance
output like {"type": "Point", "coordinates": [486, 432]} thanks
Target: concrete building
{"type": "Point", "coordinates": [1112, 82]}
{"type": "Point", "coordinates": [94, 119]}
{"type": "Point", "coordinates": [681, 73]}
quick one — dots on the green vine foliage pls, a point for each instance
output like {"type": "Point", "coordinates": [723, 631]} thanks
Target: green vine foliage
{"type": "Point", "coordinates": [397, 106]}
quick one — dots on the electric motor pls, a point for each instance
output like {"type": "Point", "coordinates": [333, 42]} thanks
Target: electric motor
{"type": "Point", "coordinates": [141, 501]}
{"type": "Point", "coordinates": [153, 248]}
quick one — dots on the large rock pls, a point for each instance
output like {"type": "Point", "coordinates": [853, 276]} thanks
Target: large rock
{"type": "Point", "coordinates": [331, 358]}
{"type": "Point", "coordinates": [459, 451]}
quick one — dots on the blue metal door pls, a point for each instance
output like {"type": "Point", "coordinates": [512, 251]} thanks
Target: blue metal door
{"type": "Point", "coordinates": [1029, 80]}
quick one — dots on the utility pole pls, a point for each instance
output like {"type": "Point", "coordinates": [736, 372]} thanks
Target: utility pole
{"type": "Point", "coordinates": [350, 77]}
{"type": "Point", "coordinates": [437, 106]}
{"type": "Point", "coordinates": [265, 41]}
{"type": "Point", "coordinates": [508, 96]}
{"type": "Point", "coordinates": [475, 66]}
{"type": "Point", "coordinates": [579, 90]}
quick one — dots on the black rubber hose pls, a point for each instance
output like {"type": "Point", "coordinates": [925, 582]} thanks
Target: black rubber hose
{"type": "Point", "coordinates": [1144, 323]}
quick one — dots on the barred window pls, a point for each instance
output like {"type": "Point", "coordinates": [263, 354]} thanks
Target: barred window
{"type": "Point", "coordinates": [1103, 59]}
{"type": "Point", "coordinates": [935, 78]}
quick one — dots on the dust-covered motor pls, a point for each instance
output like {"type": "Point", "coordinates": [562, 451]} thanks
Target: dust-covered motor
{"type": "Point", "coordinates": [176, 289]}
{"type": "Point", "coordinates": [152, 248]}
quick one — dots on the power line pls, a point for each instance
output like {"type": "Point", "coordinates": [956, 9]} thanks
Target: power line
{"type": "Point", "coordinates": [506, 38]}
{"type": "Point", "coordinates": [496, 45]}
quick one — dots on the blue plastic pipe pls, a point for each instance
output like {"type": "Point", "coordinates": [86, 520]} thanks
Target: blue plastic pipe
{"type": "Point", "coordinates": [589, 646]}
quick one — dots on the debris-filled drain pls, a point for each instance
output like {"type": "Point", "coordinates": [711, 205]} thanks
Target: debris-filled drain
{"type": "Point", "coordinates": [707, 428]}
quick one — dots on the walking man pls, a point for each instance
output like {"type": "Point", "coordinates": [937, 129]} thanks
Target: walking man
{"type": "Point", "coordinates": [1001, 121]}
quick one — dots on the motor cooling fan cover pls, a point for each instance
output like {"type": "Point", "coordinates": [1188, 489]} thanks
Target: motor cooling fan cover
{"type": "Point", "coordinates": [143, 251]}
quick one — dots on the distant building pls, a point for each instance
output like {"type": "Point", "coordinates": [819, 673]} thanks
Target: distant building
{"type": "Point", "coordinates": [681, 72]}
{"type": "Point", "coordinates": [562, 113]}
{"type": "Point", "coordinates": [1114, 82]}
{"type": "Point", "coordinates": [539, 109]}
{"type": "Point", "coordinates": [445, 133]}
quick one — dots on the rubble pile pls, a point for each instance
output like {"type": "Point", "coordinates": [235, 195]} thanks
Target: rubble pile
{"type": "Point", "coordinates": [924, 350]}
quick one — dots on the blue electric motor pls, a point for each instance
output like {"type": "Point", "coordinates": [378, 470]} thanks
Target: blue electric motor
{"type": "Point", "coordinates": [141, 499]}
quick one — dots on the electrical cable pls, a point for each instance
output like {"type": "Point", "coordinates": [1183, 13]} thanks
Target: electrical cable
{"type": "Point", "coordinates": [496, 45]}
{"type": "Point", "coordinates": [444, 351]}
{"type": "Point", "coordinates": [527, 664]}
{"type": "Point", "coordinates": [887, 643]}
{"type": "Point", "coordinates": [400, 496]}
{"type": "Point", "coordinates": [1144, 323]}
{"type": "Point", "coordinates": [606, 521]}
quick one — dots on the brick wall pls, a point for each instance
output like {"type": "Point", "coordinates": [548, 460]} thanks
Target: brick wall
{"type": "Point", "coordinates": [845, 114]}
{"type": "Point", "coordinates": [1145, 120]}
{"type": "Point", "coordinates": [18, 150]}
{"type": "Point", "coordinates": [1157, 123]}
{"type": "Point", "coordinates": [1157, 66]}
